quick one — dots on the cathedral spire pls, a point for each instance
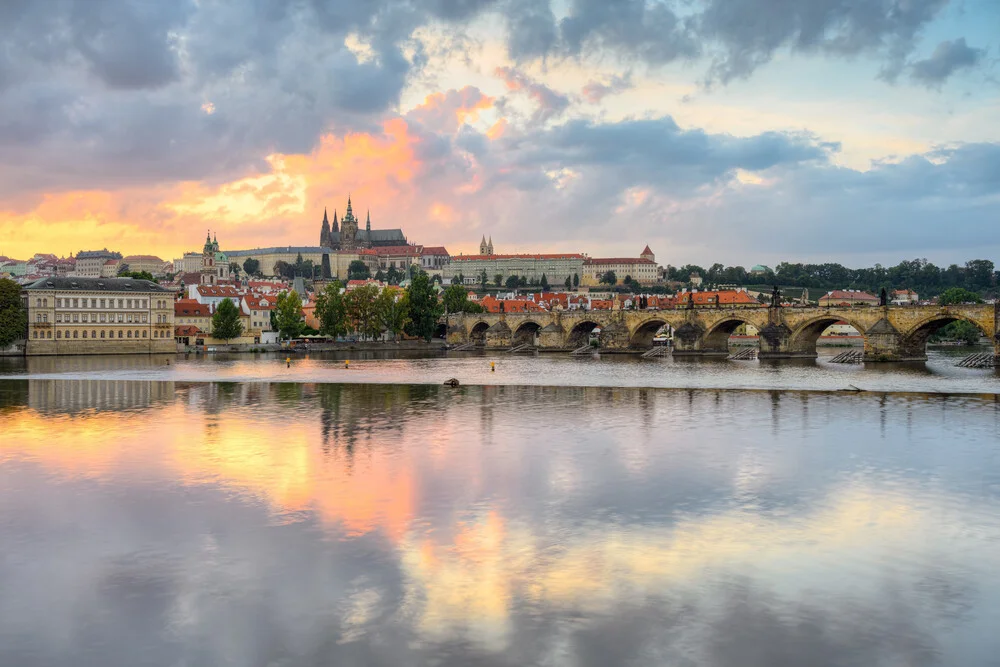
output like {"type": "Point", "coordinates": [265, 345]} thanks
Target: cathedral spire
{"type": "Point", "coordinates": [350, 211]}
{"type": "Point", "coordinates": [336, 225]}
{"type": "Point", "coordinates": [325, 241]}
{"type": "Point", "coordinates": [368, 222]}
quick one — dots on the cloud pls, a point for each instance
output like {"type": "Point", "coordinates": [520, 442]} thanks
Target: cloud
{"type": "Point", "coordinates": [445, 112]}
{"type": "Point", "coordinates": [550, 104]}
{"type": "Point", "coordinates": [595, 91]}
{"type": "Point", "coordinates": [948, 58]}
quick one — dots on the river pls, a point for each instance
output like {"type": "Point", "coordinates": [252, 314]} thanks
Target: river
{"type": "Point", "coordinates": [156, 515]}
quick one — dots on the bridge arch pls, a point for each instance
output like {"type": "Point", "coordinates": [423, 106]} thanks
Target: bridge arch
{"type": "Point", "coordinates": [803, 340]}
{"type": "Point", "coordinates": [642, 335]}
{"type": "Point", "coordinates": [477, 334]}
{"type": "Point", "coordinates": [716, 338]}
{"type": "Point", "coordinates": [526, 333]}
{"type": "Point", "coordinates": [579, 335]}
{"type": "Point", "coordinates": [913, 342]}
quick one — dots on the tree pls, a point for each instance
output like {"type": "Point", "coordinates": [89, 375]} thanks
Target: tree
{"type": "Point", "coordinates": [413, 270]}
{"type": "Point", "coordinates": [234, 269]}
{"type": "Point", "coordinates": [361, 311]}
{"type": "Point", "coordinates": [484, 279]}
{"type": "Point", "coordinates": [394, 276]}
{"type": "Point", "coordinates": [456, 300]}
{"type": "Point", "coordinates": [226, 323]}
{"type": "Point", "coordinates": [13, 314]}
{"type": "Point", "coordinates": [609, 278]}
{"type": "Point", "coordinates": [957, 295]}
{"type": "Point", "coordinates": [959, 330]}
{"type": "Point", "coordinates": [576, 280]}
{"type": "Point", "coordinates": [544, 282]}
{"type": "Point", "coordinates": [498, 279]}
{"type": "Point", "coordinates": [512, 282]}
{"type": "Point", "coordinates": [425, 309]}
{"type": "Point", "coordinates": [458, 279]}
{"type": "Point", "coordinates": [283, 269]}
{"type": "Point", "coordinates": [331, 310]}
{"type": "Point", "coordinates": [393, 311]}
{"type": "Point", "coordinates": [358, 270]}
{"type": "Point", "coordinates": [569, 283]}
{"type": "Point", "coordinates": [288, 314]}
{"type": "Point", "coordinates": [251, 266]}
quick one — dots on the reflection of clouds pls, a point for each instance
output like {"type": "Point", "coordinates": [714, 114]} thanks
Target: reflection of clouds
{"type": "Point", "coordinates": [236, 525]}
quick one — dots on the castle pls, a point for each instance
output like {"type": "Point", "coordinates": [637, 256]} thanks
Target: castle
{"type": "Point", "coordinates": [345, 235]}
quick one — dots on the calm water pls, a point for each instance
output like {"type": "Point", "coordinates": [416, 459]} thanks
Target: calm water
{"type": "Point", "coordinates": [938, 374]}
{"type": "Point", "coordinates": [263, 523]}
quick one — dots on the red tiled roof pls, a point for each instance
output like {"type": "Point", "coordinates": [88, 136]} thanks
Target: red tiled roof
{"type": "Point", "coordinates": [618, 260]}
{"type": "Point", "coordinates": [434, 250]}
{"type": "Point", "coordinates": [724, 297]}
{"type": "Point", "coordinates": [492, 305]}
{"type": "Point", "coordinates": [144, 257]}
{"type": "Point", "coordinates": [646, 250]}
{"type": "Point", "coordinates": [191, 308]}
{"type": "Point", "coordinates": [186, 330]}
{"type": "Point", "coordinates": [256, 302]}
{"type": "Point", "coordinates": [397, 250]}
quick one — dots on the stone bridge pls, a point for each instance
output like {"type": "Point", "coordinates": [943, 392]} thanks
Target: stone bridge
{"type": "Point", "coordinates": [891, 333]}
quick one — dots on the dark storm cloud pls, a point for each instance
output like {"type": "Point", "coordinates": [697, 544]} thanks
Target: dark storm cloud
{"type": "Point", "coordinates": [650, 151]}
{"type": "Point", "coordinates": [105, 93]}
{"type": "Point", "coordinates": [948, 58]}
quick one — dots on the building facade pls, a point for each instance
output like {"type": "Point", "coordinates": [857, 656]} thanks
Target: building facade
{"type": "Point", "coordinates": [555, 267]}
{"type": "Point", "coordinates": [151, 263]}
{"type": "Point", "coordinates": [638, 268]}
{"type": "Point", "coordinates": [76, 315]}
{"type": "Point", "coordinates": [339, 261]}
{"type": "Point", "coordinates": [90, 263]}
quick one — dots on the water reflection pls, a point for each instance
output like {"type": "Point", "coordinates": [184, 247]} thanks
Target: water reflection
{"type": "Point", "coordinates": [276, 523]}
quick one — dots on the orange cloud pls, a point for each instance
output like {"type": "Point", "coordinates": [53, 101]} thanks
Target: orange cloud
{"type": "Point", "coordinates": [448, 111]}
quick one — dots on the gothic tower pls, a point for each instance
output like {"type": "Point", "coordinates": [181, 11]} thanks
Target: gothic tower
{"type": "Point", "coordinates": [349, 229]}
{"type": "Point", "coordinates": [325, 241]}
{"type": "Point", "coordinates": [336, 225]}
{"type": "Point", "coordinates": [483, 248]}
{"type": "Point", "coordinates": [489, 247]}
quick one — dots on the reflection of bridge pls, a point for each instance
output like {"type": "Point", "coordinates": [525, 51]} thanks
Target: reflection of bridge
{"type": "Point", "coordinates": [891, 333]}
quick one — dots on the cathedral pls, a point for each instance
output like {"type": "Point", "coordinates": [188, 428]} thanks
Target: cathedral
{"type": "Point", "coordinates": [486, 248]}
{"type": "Point", "coordinates": [345, 235]}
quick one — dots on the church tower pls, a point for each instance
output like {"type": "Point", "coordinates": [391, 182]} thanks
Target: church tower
{"type": "Point", "coordinates": [349, 229]}
{"type": "Point", "coordinates": [336, 225]}
{"type": "Point", "coordinates": [483, 248]}
{"type": "Point", "coordinates": [489, 247]}
{"type": "Point", "coordinates": [325, 241]}
{"type": "Point", "coordinates": [208, 276]}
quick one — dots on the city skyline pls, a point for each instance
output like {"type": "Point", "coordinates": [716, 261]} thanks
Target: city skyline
{"type": "Point", "coordinates": [566, 127]}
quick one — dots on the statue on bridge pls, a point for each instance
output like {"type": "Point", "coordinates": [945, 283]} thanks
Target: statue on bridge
{"type": "Point", "coordinates": [775, 297]}
{"type": "Point", "coordinates": [690, 303]}
{"type": "Point", "coordinates": [883, 298]}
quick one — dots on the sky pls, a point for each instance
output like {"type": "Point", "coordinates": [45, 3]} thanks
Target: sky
{"type": "Point", "coordinates": [734, 131]}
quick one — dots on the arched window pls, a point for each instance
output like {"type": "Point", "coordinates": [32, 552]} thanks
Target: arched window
{"type": "Point", "coordinates": [136, 334]}
{"type": "Point", "coordinates": [48, 334]}
{"type": "Point", "coordinates": [102, 333]}
{"type": "Point", "coordinates": [129, 334]}
{"type": "Point", "coordinates": [144, 333]}
{"type": "Point", "coordinates": [84, 333]}
{"type": "Point", "coordinates": [34, 334]}
{"type": "Point", "coordinates": [93, 334]}
{"type": "Point", "coordinates": [75, 334]}
{"type": "Point", "coordinates": [119, 334]}
{"type": "Point", "coordinates": [59, 334]}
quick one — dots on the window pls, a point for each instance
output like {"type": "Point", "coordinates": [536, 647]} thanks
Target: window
{"type": "Point", "coordinates": [93, 334]}
{"type": "Point", "coordinates": [38, 303]}
{"type": "Point", "coordinates": [76, 303]}
{"type": "Point", "coordinates": [45, 303]}
{"type": "Point", "coordinates": [84, 333]}
{"type": "Point", "coordinates": [74, 334]}
{"type": "Point", "coordinates": [129, 303]}
{"type": "Point", "coordinates": [120, 301]}
{"type": "Point", "coordinates": [129, 318]}
{"type": "Point", "coordinates": [121, 317]}
{"type": "Point", "coordinates": [93, 303]}
{"type": "Point", "coordinates": [119, 334]}
{"type": "Point", "coordinates": [76, 317]}
{"type": "Point", "coordinates": [34, 334]}
{"type": "Point", "coordinates": [143, 303]}
{"type": "Point", "coordinates": [48, 334]}
{"type": "Point", "coordinates": [38, 317]}
{"type": "Point", "coordinates": [129, 334]}
{"type": "Point", "coordinates": [59, 303]}
{"type": "Point", "coordinates": [58, 317]}
{"type": "Point", "coordinates": [145, 317]}
{"type": "Point", "coordinates": [103, 304]}
{"type": "Point", "coordinates": [102, 333]}
{"type": "Point", "coordinates": [45, 317]}
{"type": "Point", "coordinates": [144, 333]}
{"type": "Point", "coordinates": [104, 317]}
{"type": "Point", "coordinates": [59, 334]}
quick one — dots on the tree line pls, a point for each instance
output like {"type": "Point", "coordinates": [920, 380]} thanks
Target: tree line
{"type": "Point", "coordinates": [919, 275]}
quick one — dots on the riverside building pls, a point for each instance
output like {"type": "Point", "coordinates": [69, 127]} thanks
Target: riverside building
{"type": "Point", "coordinates": [98, 316]}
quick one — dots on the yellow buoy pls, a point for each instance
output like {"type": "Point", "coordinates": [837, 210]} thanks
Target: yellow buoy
{"type": "Point", "coordinates": [493, 367]}
{"type": "Point", "coordinates": [288, 362]}
{"type": "Point", "coordinates": [347, 363]}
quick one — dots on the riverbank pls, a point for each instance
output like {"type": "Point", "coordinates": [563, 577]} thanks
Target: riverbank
{"type": "Point", "coordinates": [361, 346]}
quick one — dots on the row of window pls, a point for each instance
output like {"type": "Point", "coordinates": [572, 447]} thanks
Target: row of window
{"type": "Point", "coordinates": [93, 334]}
{"type": "Point", "coordinates": [76, 302]}
{"type": "Point", "coordinates": [103, 317]}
